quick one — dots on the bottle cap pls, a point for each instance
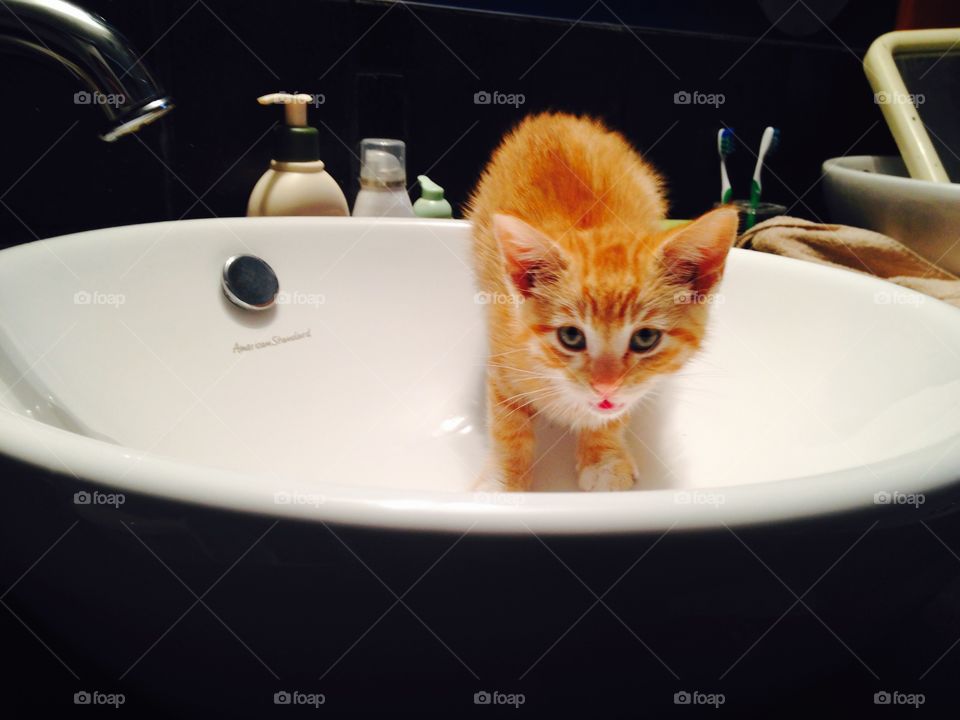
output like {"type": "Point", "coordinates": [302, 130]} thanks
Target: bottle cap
{"type": "Point", "coordinates": [383, 162]}
{"type": "Point", "coordinates": [295, 141]}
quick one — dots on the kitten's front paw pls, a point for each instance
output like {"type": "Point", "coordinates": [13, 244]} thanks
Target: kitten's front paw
{"type": "Point", "coordinates": [613, 472]}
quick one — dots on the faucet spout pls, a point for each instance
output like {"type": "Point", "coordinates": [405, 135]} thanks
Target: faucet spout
{"type": "Point", "coordinates": [94, 52]}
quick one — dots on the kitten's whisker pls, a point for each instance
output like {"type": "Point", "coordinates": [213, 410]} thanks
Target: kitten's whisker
{"type": "Point", "coordinates": [540, 398]}
{"type": "Point", "coordinates": [527, 394]}
{"type": "Point", "coordinates": [549, 407]}
{"type": "Point", "coordinates": [520, 370]}
{"type": "Point", "coordinates": [507, 352]}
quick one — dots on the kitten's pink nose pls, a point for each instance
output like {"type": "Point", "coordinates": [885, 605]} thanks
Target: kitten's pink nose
{"type": "Point", "coordinates": [605, 389]}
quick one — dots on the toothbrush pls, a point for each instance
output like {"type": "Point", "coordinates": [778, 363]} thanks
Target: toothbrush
{"type": "Point", "coordinates": [725, 147]}
{"type": "Point", "coordinates": [768, 145]}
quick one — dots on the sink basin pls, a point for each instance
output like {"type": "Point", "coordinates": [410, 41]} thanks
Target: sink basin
{"type": "Point", "coordinates": [358, 399]}
{"type": "Point", "coordinates": [877, 193]}
{"type": "Point", "coordinates": [318, 458]}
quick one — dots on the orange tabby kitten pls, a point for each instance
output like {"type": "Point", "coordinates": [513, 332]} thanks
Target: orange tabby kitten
{"type": "Point", "coordinates": [590, 301]}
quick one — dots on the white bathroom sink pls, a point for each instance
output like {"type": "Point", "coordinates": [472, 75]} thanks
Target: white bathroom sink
{"type": "Point", "coordinates": [877, 193]}
{"type": "Point", "coordinates": [122, 363]}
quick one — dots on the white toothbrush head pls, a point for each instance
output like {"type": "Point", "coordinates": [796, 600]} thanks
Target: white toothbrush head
{"type": "Point", "coordinates": [768, 145]}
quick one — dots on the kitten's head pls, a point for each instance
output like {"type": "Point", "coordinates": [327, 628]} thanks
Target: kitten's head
{"type": "Point", "coordinates": [609, 311]}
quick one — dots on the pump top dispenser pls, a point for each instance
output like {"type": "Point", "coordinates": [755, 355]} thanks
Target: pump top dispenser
{"type": "Point", "coordinates": [383, 179]}
{"type": "Point", "coordinates": [431, 204]}
{"type": "Point", "coordinates": [297, 182]}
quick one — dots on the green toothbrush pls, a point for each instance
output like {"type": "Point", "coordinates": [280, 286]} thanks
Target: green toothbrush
{"type": "Point", "coordinates": [768, 145]}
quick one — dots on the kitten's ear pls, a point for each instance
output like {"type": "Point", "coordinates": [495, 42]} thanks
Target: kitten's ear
{"type": "Point", "coordinates": [532, 258]}
{"type": "Point", "coordinates": [694, 255]}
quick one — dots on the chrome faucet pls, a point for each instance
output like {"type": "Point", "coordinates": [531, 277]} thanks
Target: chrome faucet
{"type": "Point", "coordinates": [93, 51]}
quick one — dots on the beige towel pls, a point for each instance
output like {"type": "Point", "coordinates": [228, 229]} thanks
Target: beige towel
{"type": "Point", "coordinates": [854, 249]}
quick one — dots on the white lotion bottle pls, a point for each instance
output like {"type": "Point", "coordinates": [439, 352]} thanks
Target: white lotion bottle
{"type": "Point", "coordinates": [383, 180]}
{"type": "Point", "coordinates": [297, 182]}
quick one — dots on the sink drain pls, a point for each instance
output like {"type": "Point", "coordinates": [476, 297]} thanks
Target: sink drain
{"type": "Point", "coordinates": [250, 283]}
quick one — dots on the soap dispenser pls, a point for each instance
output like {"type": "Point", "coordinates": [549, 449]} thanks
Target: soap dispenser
{"type": "Point", "coordinates": [383, 180]}
{"type": "Point", "coordinates": [431, 204]}
{"type": "Point", "coordinates": [296, 183]}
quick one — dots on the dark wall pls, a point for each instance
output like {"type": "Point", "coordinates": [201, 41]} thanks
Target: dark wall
{"type": "Point", "coordinates": [411, 71]}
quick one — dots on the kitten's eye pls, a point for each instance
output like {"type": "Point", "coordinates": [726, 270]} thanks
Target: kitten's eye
{"type": "Point", "coordinates": [644, 340]}
{"type": "Point", "coordinates": [572, 338]}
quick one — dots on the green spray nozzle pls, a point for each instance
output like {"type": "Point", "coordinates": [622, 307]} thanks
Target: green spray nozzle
{"type": "Point", "coordinates": [429, 189]}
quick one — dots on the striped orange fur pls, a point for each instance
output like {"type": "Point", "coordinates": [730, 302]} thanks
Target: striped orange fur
{"type": "Point", "coordinates": [568, 247]}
